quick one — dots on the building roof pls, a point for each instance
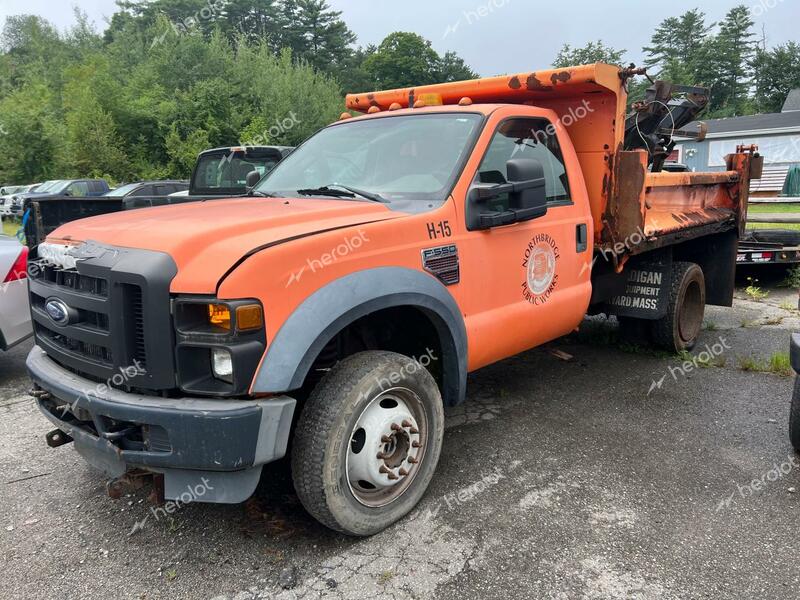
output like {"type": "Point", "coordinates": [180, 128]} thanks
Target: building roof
{"type": "Point", "coordinates": [792, 101]}
{"type": "Point", "coordinates": [783, 122]}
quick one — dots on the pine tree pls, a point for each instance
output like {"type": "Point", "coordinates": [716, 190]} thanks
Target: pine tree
{"type": "Point", "coordinates": [591, 53]}
{"type": "Point", "coordinates": [776, 73]}
{"type": "Point", "coordinates": [732, 56]}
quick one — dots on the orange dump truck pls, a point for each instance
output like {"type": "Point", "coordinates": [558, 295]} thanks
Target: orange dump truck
{"type": "Point", "coordinates": [334, 312]}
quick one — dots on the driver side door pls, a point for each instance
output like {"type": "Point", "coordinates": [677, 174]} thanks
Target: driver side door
{"type": "Point", "coordinates": [525, 285]}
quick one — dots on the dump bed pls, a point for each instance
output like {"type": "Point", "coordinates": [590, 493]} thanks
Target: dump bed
{"type": "Point", "coordinates": [626, 198]}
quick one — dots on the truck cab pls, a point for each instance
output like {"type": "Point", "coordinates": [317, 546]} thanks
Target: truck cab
{"type": "Point", "coordinates": [340, 307]}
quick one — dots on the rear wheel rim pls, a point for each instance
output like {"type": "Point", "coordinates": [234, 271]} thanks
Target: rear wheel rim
{"type": "Point", "coordinates": [387, 447]}
{"type": "Point", "coordinates": [690, 317]}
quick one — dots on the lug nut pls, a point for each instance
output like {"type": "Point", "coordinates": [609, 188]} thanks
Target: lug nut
{"type": "Point", "coordinates": [415, 444]}
{"type": "Point", "coordinates": [393, 476]}
{"type": "Point", "coordinates": [412, 460]}
{"type": "Point", "coordinates": [414, 430]}
{"type": "Point", "coordinates": [406, 423]}
{"type": "Point", "coordinates": [403, 472]}
{"type": "Point", "coordinates": [396, 427]}
{"type": "Point", "coordinates": [380, 456]}
{"type": "Point", "coordinates": [386, 439]}
{"type": "Point", "coordinates": [384, 469]}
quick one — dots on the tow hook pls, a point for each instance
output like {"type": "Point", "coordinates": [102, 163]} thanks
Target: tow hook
{"type": "Point", "coordinates": [40, 394]}
{"type": "Point", "coordinates": [57, 438]}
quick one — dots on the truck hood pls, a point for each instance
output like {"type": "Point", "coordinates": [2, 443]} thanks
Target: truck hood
{"type": "Point", "coordinates": [207, 238]}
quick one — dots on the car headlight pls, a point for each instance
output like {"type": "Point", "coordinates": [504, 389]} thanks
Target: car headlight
{"type": "Point", "coordinates": [219, 344]}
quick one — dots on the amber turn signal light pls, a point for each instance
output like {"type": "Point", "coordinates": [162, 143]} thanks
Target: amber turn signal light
{"type": "Point", "coordinates": [219, 315]}
{"type": "Point", "coordinates": [249, 317]}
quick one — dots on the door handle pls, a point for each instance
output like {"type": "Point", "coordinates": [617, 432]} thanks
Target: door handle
{"type": "Point", "coordinates": [581, 238]}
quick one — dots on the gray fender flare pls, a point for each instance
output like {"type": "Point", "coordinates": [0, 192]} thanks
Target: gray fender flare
{"type": "Point", "coordinates": [333, 307]}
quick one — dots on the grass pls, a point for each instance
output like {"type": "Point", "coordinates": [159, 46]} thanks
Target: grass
{"type": "Point", "coordinates": [754, 292]}
{"type": "Point", "coordinates": [788, 306]}
{"type": "Point", "coordinates": [777, 364]}
{"type": "Point", "coordinates": [773, 208]}
{"type": "Point", "coordinates": [10, 227]}
{"type": "Point", "coordinates": [760, 209]}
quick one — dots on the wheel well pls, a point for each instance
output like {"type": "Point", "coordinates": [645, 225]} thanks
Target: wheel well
{"type": "Point", "coordinates": [407, 330]}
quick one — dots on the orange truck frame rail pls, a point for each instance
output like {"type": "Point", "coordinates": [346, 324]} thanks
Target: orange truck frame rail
{"type": "Point", "coordinates": [339, 307]}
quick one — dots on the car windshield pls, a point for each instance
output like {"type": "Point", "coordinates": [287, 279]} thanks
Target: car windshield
{"type": "Point", "coordinates": [123, 191]}
{"type": "Point", "coordinates": [411, 160]}
{"type": "Point", "coordinates": [53, 184]}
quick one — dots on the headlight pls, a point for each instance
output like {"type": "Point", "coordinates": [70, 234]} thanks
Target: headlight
{"type": "Point", "coordinates": [222, 364]}
{"type": "Point", "coordinates": [219, 344]}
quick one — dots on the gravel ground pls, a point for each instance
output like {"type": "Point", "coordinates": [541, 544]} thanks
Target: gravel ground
{"type": "Point", "coordinates": [558, 479]}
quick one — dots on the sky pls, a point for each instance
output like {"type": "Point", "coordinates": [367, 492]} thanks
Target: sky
{"type": "Point", "coordinates": [496, 36]}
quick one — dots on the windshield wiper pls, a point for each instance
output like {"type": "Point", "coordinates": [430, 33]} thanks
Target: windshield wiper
{"type": "Point", "coordinates": [259, 194]}
{"type": "Point", "coordinates": [345, 192]}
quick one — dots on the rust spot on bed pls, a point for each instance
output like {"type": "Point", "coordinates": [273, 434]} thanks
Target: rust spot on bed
{"type": "Point", "coordinates": [514, 83]}
{"type": "Point", "coordinates": [562, 77]}
{"type": "Point", "coordinates": [535, 85]}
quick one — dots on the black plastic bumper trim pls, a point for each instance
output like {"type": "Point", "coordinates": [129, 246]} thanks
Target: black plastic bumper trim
{"type": "Point", "coordinates": [205, 434]}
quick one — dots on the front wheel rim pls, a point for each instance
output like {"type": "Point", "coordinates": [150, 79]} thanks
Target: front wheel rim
{"type": "Point", "coordinates": [387, 447]}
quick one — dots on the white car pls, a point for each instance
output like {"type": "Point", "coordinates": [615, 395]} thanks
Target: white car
{"type": "Point", "coordinates": [15, 314]}
{"type": "Point", "coordinates": [8, 197]}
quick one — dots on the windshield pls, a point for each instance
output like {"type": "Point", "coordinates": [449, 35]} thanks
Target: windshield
{"type": "Point", "coordinates": [124, 190]}
{"type": "Point", "coordinates": [49, 186]}
{"type": "Point", "coordinates": [411, 160]}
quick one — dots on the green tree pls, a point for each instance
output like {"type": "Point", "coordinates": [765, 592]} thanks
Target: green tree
{"type": "Point", "coordinates": [777, 72]}
{"type": "Point", "coordinates": [733, 50]}
{"type": "Point", "coordinates": [403, 59]}
{"type": "Point", "coordinates": [453, 68]}
{"type": "Point", "coordinates": [592, 52]}
{"type": "Point", "coordinates": [676, 49]}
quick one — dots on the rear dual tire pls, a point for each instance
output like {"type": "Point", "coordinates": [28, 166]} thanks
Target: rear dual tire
{"type": "Point", "coordinates": [679, 329]}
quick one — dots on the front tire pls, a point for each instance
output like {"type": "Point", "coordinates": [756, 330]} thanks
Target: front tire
{"type": "Point", "coordinates": [367, 442]}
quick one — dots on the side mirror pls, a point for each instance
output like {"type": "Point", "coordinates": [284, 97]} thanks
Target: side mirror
{"type": "Point", "coordinates": [253, 177]}
{"type": "Point", "coordinates": [67, 193]}
{"type": "Point", "coordinates": [525, 191]}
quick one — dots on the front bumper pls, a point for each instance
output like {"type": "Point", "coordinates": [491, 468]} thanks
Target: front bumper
{"type": "Point", "coordinates": [224, 442]}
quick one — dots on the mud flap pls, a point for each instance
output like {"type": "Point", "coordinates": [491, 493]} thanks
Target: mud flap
{"type": "Point", "coordinates": [646, 290]}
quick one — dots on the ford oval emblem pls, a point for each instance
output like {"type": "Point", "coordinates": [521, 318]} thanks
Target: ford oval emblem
{"type": "Point", "coordinates": [58, 311]}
